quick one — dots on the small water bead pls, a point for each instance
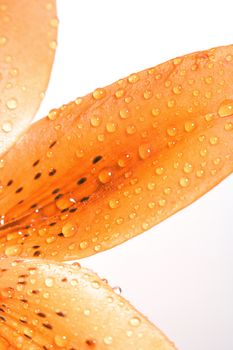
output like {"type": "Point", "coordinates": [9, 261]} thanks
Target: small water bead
{"type": "Point", "coordinates": [188, 168]}
{"type": "Point", "coordinates": [69, 229]}
{"type": "Point", "coordinates": [209, 117]}
{"type": "Point", "coordinates": [189, 125]}
{"type": "Point", "coordinates": [145, 226]}
{"type": "Point", "coordinates": [135, 322]}
{"type": "Point", "coordinates": [117, 290]}
{"type": "Point", "coordinates": [108, 340]}
{"type": "Point", "coordinates": [99, 93]}
{"type": "Point", "coordinates": [167, 190]}
{"type": "Point", "coordinates": [111, 127]}
{"type": "Point", "coordinates": [184, 182]}
{"type": "Point", "coordinates": [147, 94]}
{"type": "Point", "coordinates": [86, 312]}
{"type": "Point", "coordinates": [14, 250]}
{"type": "Point", "coordinates": [2, 163]}
{"type": "Point", "coordinates": [151, 186]}
{"type": "Point", "coordinates": [124, 113]}
{"type": "Point", "coordinates": [52, 114]}
{"type": "Point", "coordinates": [214, 140]}
{"type": "Point", "coordinates": [133, 78]}
{"type": "Point", "coordinates": [60, 340]}
{"type": "Point", "coordinates": [80, 153]}
{"type": "Point", "coordinates": [162, 202]}
{"type": "Point", "coordinates": [200, 173]}
{"type": "Point", "coordinates": [151, 205]}
{"type": "Point", "coordinates": [105, 176]}
{"type": "Point", "coordinates": [144, 151]}
{"type": "Point", "coordinates": [53, 44]}
{"type": "Point", "coordinates": [101, 137]}
{"type": "Point", "coordinates": [155, 112]}
{"type": "Point", "coordinates": [49, 282]}
{"type": "Point", "coordinates": [7, 126]}
{"type": "Point", "coordinates": [131, 129]}
{"type": "Point", "coordinates": [119, 93]}
{"type": "Point", "coordinates": [159, 170]}
{"type": "Point", "coordinates": [171, 131]}
{"type": "Point", "coordinates": [226, 108]}
{"type": "Point", "coordinates": [228, 126]}
{"type": "Point", "coordinates": [177, 89]}
{"type": "Point", "coordinates": [217, 161]}
{"type": "Point", "coordinates": [12, 103]}
{"type": "Point", "coordinates": [171, 103]}
{"type": "Point", "coordinates": [196, 93]}
{"type": "Point", "coordinates": [95, 121]}
{"type": "Point", "coordinates": [203, 152]}
{"type": "Point", "coordinates": [3, 40]}
{"type": "Point", "coordinates": [123, 161]}
{"type": "Point", "coordinates": [114, 203]}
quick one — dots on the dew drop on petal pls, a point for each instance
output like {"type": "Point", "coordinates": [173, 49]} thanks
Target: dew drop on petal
{"type": "Point", "coordinates": [144, 151]}
{"type": "Point", "coordinates": [226, 108]}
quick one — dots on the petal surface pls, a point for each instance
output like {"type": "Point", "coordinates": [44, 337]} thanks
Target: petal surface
{"type": "Point", "coordinates": [106, 167]}
{"type": "Point", "coordinates": [44, 305]}
{"type": "Point", "coordinates": [27, 46]}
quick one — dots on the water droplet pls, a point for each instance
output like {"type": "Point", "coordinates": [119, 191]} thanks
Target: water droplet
{"type": "Point", "coordinates": [108, 340]}
{"type": "Point", "coordinates": [60, 340]}
{"type": "Point", "coordinates": [95, 284]}
{"type": "Point", "coordinates": [98, 94]}
{"type": "Point", "coordinates": [119, 93]}
{"type": "Point", "coordinates": [7, 126]}
{"type": "Point", "coordinates": [69, 229]}
{"type": "Point", "coordinates": [184, 182]}
{"type": "Point", "coordinates": [189, 125]}
{"type": "Point", "coordinates": [155, 112]}
{"type": "Point", "coordinates": [147, 94]}
{"type": "Point", "coordinates": [177, 89]}
{"type": "Point", "coordinates": [209, 117]}
{"type": "Point", "coordinates": [95, 121]}
{"type": "Point", "coordinates": [200, 173]}
{"type": "Point", "coordinates": [111, 127]}
{"type": "Point", "coordinates": [214, 140]}
{"type": "Point", "coordinates": [133, 78]}
{"type": "Point", "coordinates": [12, 103]}
{"type": "Point", "coordinates": [53, 45]}
{"type": "Point", "coordinates": [49, 282]}
{"type": "Point", "coordinates": [123, 161]}
{"type": "Point", "coordinates": [54, 22]}
{"type": "Point", "coordinates": [159, 170]}
{"type": "Point", "coordinates": [134, 321]}
{"type": "Point", "coordinates": [171, 103]}
{"type": "Point", "coordinates": [3, 40]}
{"type": "Point", "coordinates": [114, 203]}
{"type": "Point", "coordinates": [80, 153]}
{"type": "Point", "coordinates": [151, 186]}
{"type": "Point", "coordinates": [124, 113]}
{"type": "Point", "coordinates": [188, 168]}
{"type": "Point", "coordinates": [105, 176]}
{"type": "Point", "coordinates": [13, 250]}
{"type": "Point", "coordinates": [131, 129]}
{"type": "Point", "coordinates": [226, 108]}
{"type": "Point", "coordinates": [228, 126]}
{"type": "Point", "coordinates": [52, 114]}
{"type": "Point", "coordinates": [162, 202]}
{"type": "Point", "coordinates": [144, 151]}
{"type": "Point", "coordinates": [171, 131]}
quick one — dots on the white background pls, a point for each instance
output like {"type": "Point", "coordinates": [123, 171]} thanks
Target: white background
{"type": "Point", "coordinates": [179, 273]}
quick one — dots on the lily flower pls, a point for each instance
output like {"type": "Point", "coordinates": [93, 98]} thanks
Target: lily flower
{"type": "Point", "coordinates": [93, 174]}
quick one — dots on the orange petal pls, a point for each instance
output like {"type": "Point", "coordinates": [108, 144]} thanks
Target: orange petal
{"type": "Point", "coordinates": [44, 305]}
{"type": "Point", "coordinates": [113, 164]}
{"type": "Point", "coordinates": [27, 42]}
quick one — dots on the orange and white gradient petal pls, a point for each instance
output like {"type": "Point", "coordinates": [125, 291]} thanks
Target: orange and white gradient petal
{"type": "Point", "coordinates": [118, 161]}
{"type": "Point", "coordinates": [27, 46]}
{"type": "Point", "coordinates": [44, 305]}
